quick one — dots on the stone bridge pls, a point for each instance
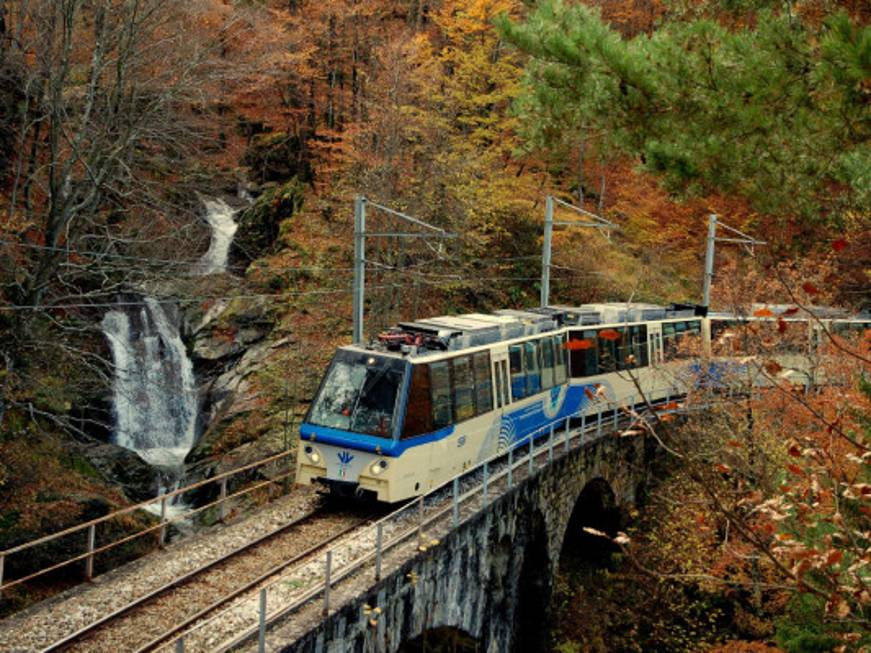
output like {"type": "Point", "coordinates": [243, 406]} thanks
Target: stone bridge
{"type": "Point", "coordinates": [490, 579]}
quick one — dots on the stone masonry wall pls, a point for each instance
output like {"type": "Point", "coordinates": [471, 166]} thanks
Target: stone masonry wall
{"type": "Point", "coordinates": [492, 576]}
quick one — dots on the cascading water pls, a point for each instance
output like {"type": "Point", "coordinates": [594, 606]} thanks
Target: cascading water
{"type": "Point", "coordinates": [155, 392]}
{"type": "Point", "coordinates": [154, 389]}
{"type": "Point", "coordinates": [219, 215]}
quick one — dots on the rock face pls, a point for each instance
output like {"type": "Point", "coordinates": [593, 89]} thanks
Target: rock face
{"type": "Point", "coordinates": [258, 225]}
{"type": "Point", "coordinates": [231, 344]}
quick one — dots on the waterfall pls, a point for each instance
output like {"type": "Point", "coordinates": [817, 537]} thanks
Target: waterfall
{"type": "Point", "coordinates": [155, 394]}
{"type": "Point", "coordinates": [220, 218]}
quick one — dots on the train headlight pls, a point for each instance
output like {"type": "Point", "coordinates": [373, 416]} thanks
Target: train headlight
{"type": "Point", "coordinates": [378, 467]}
{"type": "Point", "coordinates": [312, 455]}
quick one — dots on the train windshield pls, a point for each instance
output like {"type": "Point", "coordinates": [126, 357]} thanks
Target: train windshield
{"type": "Point", "coordinates": [359, 394]}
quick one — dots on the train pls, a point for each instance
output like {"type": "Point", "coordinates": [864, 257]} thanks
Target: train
{"type": "Point", "coordinates": [430, 398]}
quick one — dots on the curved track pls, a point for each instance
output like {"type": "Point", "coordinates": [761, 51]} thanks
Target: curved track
{"type": "Point", "coordinates": [154, 618]}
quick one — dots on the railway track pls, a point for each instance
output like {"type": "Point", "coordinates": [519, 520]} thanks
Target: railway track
{"type": "Point", "coordinates": [147, 622]}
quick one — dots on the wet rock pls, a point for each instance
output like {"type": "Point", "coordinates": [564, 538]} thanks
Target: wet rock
{"type": "Point", "coordinates": [122, 468]}
{"type": "Point", "coordinates": [233, 329]}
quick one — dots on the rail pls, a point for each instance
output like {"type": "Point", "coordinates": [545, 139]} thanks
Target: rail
{"type": "Point", "coordinates": [448, 504]}
{"type": "Point", "coordinates": [91, 550]}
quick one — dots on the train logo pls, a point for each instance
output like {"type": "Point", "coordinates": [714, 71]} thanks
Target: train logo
{"type": "Point", "coordinates": [345, 458]}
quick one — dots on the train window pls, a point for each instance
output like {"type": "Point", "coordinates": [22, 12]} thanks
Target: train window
{"type": "Point", "coordinates": [483, 383]}
{"type": "Point", "coordinates": [518, 378]}
{"type": "Point", "coordinates": [625, 349]}
{"type": "Point", "coordinates": [440, 378]}
{"type": "Point", "coordinates": [559, 351]}
{"type": "Point", "coordinates": [639, 345]}
{"type": "Point", "coordinates": [418, 412]}
{"type": "Point", "coordinates": [669, 341]}
{"type": "Point", "coordinates": [533, 367]}
{"type": "Point", "coordinates": [464, 388]}
{"type": "Point", "coordinates": [609, 339]}
{"type": "Point", "coordinates": [583, 353]}
{"type": "Point", "coordinates": [359, 394]}
{"type": "Point", "coordinates": [547, 363]}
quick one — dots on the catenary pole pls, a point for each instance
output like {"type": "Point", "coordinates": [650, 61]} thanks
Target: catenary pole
{"type": "Point", "coordinates": [546, 249]}
{"type": "Point", "coordinates": [709, 260]}
{"type": "Point", "coordinates": [359, 265]}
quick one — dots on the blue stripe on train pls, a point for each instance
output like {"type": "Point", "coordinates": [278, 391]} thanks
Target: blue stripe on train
{"type": "Point", "coordinates": [523, 422]}
{"type": "Point", "coordinates": [370, 443]}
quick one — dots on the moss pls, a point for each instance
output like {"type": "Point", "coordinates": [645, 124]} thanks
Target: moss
{"type": "Point", "coordinates": [260, 225]}
{"type": "Point", "coordinates": [83, 467]}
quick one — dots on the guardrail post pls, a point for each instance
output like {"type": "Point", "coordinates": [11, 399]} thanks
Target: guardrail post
{"type": "Point", "coordinates": [179, 645]}
{"type": "Point", "coordinates": [420, 522]}
{"type": "Point", "coordinates": [162, 537]}
{"type": "Point", "coordinates": [456, 510]}
{"type": "Point", "coordinates": [615, 415]}
{"type": "Point", "coordinates": [89, 561]}
{"type": "Point", "coordinates": [566, 436]}
{"type": "Point", "coordinates": [531, 462]}
{"type": "Point", "coordinates": [261, 637]}
{"type": "Point", "coordinates": [484, 487]}
{"type": "Point", "coordinates": [379, 536]}
{"type": "Point", "coordinates": [550, 446]}
{"type": "Point", "coordinates": [583, 426]}
{"type": "Point", "coordinates": [329, 564]}
{"type": "Point", "coordinates": [511, 467]}
{"type": "Point", "coordinates": [222, 505]}
{"type": "Point", "coordinates": [598, 420]}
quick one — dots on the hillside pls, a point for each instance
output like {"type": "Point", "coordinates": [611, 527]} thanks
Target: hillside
{"type": "Point", "coordinates": [132, 134]}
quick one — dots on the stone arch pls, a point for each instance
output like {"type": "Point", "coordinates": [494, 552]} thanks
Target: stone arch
{"type": "Point", "coordinates": [443, 639]}
{"type": "Point", "coordinates": [596, 507]}
{"type": "Point", "coordinates": [533, 590]}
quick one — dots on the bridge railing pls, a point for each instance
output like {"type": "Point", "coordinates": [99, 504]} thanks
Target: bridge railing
{"type": "Point", "coordinates": [406, 529]}
{"type": "Point", "coordinates": [90, 531]}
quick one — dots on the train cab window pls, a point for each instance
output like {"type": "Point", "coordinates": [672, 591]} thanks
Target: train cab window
{"type": "Point", "coordinates": [464, 388]}
{"type": "Point", "coordinates": [483, 382]}
{"type": "Point", "coordinates": [440, 377]}
{"type": "Point", "coordinates": [583, 349]}
{"type": "Point", "coordinates": [547, 363]}
{"type": "Point", "coordinates": [533, 367]}
{"type": "Point", "coordinates": [518, 378]}
{"type": "Point", "coordinates": [418, 412]}
{"type": "Point", "coordinates": [359, 394]}
{"type": "Point", "coordinates": [559, 367]}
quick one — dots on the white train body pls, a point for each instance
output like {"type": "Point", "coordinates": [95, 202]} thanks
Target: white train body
{"type": "Point", "coordinates": [435, 397]}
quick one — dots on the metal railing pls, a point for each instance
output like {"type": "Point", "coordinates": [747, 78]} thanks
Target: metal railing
{"type": "Point", "coordinates": [91, 528]}
{"type": "Point", "coordinates": [447, 505]}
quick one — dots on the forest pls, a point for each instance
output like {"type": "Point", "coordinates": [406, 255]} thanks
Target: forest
{"type": "Point", "coordinates": [190, 168]}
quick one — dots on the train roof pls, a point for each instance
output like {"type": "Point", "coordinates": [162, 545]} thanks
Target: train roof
{"type": "Point", "coordinates": [458, 332]}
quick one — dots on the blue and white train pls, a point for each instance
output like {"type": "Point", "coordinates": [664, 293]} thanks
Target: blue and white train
{"type": "Point", "coordinates": [434, 397]}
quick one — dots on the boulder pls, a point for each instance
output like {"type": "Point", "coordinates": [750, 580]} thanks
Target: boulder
{"type": "Point", "coordinates": [122, 468]}
{"type": "Point", "coordinates": [227, 333]}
